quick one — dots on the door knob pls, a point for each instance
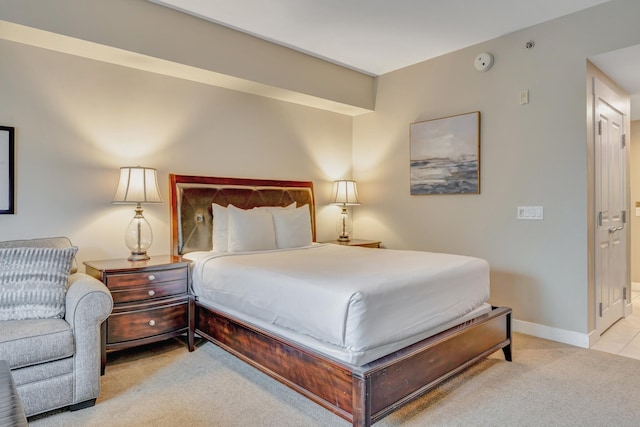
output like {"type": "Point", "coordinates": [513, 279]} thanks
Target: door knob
{"type": "Point", "coordinates": [614, 229]}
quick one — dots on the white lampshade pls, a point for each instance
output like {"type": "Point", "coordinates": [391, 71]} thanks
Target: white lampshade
{"type": "Point", "coordinates": [344, 193]}
{"type": "Point", "coordinates": [138, 185]}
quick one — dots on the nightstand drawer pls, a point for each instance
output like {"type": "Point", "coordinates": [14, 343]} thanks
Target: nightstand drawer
{"type": "Point", "coordinates": [140, 293]}
{"type": "Point", "coordinates": [146, 322]}
{"type": "Point", "coordinates": [116, 281]}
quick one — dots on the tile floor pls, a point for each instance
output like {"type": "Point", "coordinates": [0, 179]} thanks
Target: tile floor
{"type": "Point", "coordinates": [623, 337]}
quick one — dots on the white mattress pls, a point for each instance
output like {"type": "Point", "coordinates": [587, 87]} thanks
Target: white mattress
{"type": "Point", "coordinates": [353, 304]}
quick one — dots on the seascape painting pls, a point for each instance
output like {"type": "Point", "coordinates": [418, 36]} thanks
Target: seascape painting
{"type": "Point", "coordinates": [445, 155]}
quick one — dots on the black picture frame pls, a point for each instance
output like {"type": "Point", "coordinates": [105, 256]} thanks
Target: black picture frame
{"type": "Point", "coordinates": [7, 170]}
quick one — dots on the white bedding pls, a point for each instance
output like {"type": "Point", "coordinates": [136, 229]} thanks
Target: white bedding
{"type": "Point", "coordinates": [353, 302]}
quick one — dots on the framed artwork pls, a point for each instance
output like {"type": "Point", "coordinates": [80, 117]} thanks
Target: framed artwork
{"type": "Point", "coordinates": [445, 155]}
{"type": "Point", "coordinates": [7, 195]}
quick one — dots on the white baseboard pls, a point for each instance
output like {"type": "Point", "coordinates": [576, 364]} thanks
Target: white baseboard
{"type": "Point", "coordinates": [562, 335]}
{"type": "Point", "coordinates": [554, 334]}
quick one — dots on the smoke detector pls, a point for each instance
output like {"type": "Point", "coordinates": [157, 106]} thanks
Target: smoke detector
{"type": "Point", "coordinates": [484, 61]}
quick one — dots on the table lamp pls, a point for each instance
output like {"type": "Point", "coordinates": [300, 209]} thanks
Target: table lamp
{"type": "Point", "coordinates": [138, 185]}
{"type": "Point", "coordinates": [344, 194]}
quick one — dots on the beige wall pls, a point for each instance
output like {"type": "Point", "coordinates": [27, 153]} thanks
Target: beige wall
{"type": "Point", "coordinates": [533, 154]}
{"type": "Point", "coordinates": [77, 121]}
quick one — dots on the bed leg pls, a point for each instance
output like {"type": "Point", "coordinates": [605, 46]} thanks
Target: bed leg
{"type": "Point", "coordinates": [361, 403]}
{"type": "Point", "coordinates": [192, 324]}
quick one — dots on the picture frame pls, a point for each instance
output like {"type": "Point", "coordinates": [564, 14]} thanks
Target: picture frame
{"type": "Point", "coordinates": [7, 171]}
{"type": "Point", "coordinates": [445, 155]}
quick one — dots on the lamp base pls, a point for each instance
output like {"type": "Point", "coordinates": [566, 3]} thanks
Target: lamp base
{"type": "Point", "coordinates": [344, 226]}
{"type": "Point", "coordinates": [138, 236]}
{"type": "Point", "coordinates": [139, 257]}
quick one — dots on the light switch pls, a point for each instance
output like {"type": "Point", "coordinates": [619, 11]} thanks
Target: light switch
{"type": "Point", "coordinates": [538, 212]}
{"type": "Point", "coordinates": [531, 212]}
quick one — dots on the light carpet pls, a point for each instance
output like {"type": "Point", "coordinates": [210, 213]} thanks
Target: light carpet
{"type": "Point", "coordinates": [547, 384]}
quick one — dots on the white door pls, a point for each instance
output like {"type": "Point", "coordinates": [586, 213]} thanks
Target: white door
{"type": "Point", "coordinates": [611, 211]}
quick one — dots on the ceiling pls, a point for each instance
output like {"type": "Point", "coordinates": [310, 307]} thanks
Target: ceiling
{"type": "Point", "coordinates": [380, 36]}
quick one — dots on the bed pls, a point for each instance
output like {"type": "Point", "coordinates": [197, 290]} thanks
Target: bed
{"type": "Point", "coordinates": [362, 385]}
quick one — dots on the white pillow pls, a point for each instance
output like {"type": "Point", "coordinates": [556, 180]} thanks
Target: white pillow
{"type": "Point", "coordinates": [276, 208]}
{"type": "Point", "coordinates": [220, 235]}
{"type": "Point", "coordinates": [292, 227]}
{"type": "Point", "coordinates": [250, 230]}
{"type": "Point", "coordinates": [220, 228]}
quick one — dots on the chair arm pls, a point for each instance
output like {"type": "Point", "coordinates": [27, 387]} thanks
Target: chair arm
{"type": "Point", "coordinates": [88, 304]}
{"type": "Point", "coordinates": [85, 291]}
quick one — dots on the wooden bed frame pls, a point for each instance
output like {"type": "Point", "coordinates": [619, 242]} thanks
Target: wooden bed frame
{"type": "Point", "coordinates": [359, 394]}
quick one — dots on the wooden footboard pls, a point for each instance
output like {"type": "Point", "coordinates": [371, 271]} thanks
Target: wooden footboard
{"type": "Point", "coordinates": [365, 394]}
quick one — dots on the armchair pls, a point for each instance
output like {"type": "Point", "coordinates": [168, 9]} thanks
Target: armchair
{"type": "Point", "coordinates": [55, 362]}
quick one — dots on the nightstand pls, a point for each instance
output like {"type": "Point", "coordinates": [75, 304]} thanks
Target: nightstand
{"type": "Point", "coordinates": [357, 242]}
{"type": "Point", "coordinates": [151, 301]}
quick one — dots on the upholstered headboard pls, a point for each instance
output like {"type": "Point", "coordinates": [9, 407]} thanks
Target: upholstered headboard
{"type": "Point", "coordinates": [192, 196]}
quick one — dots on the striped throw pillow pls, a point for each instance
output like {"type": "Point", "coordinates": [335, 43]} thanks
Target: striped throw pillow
{"type": "Point", "coordinates": [33, 282]}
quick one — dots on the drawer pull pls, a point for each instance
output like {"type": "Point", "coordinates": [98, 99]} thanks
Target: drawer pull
{"type": "Point", "coordinates": [152, 323]}
{"type": "Point", "coordinates": [151, 277]}
{"type": "Point", "coordinates": [151, 293]}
